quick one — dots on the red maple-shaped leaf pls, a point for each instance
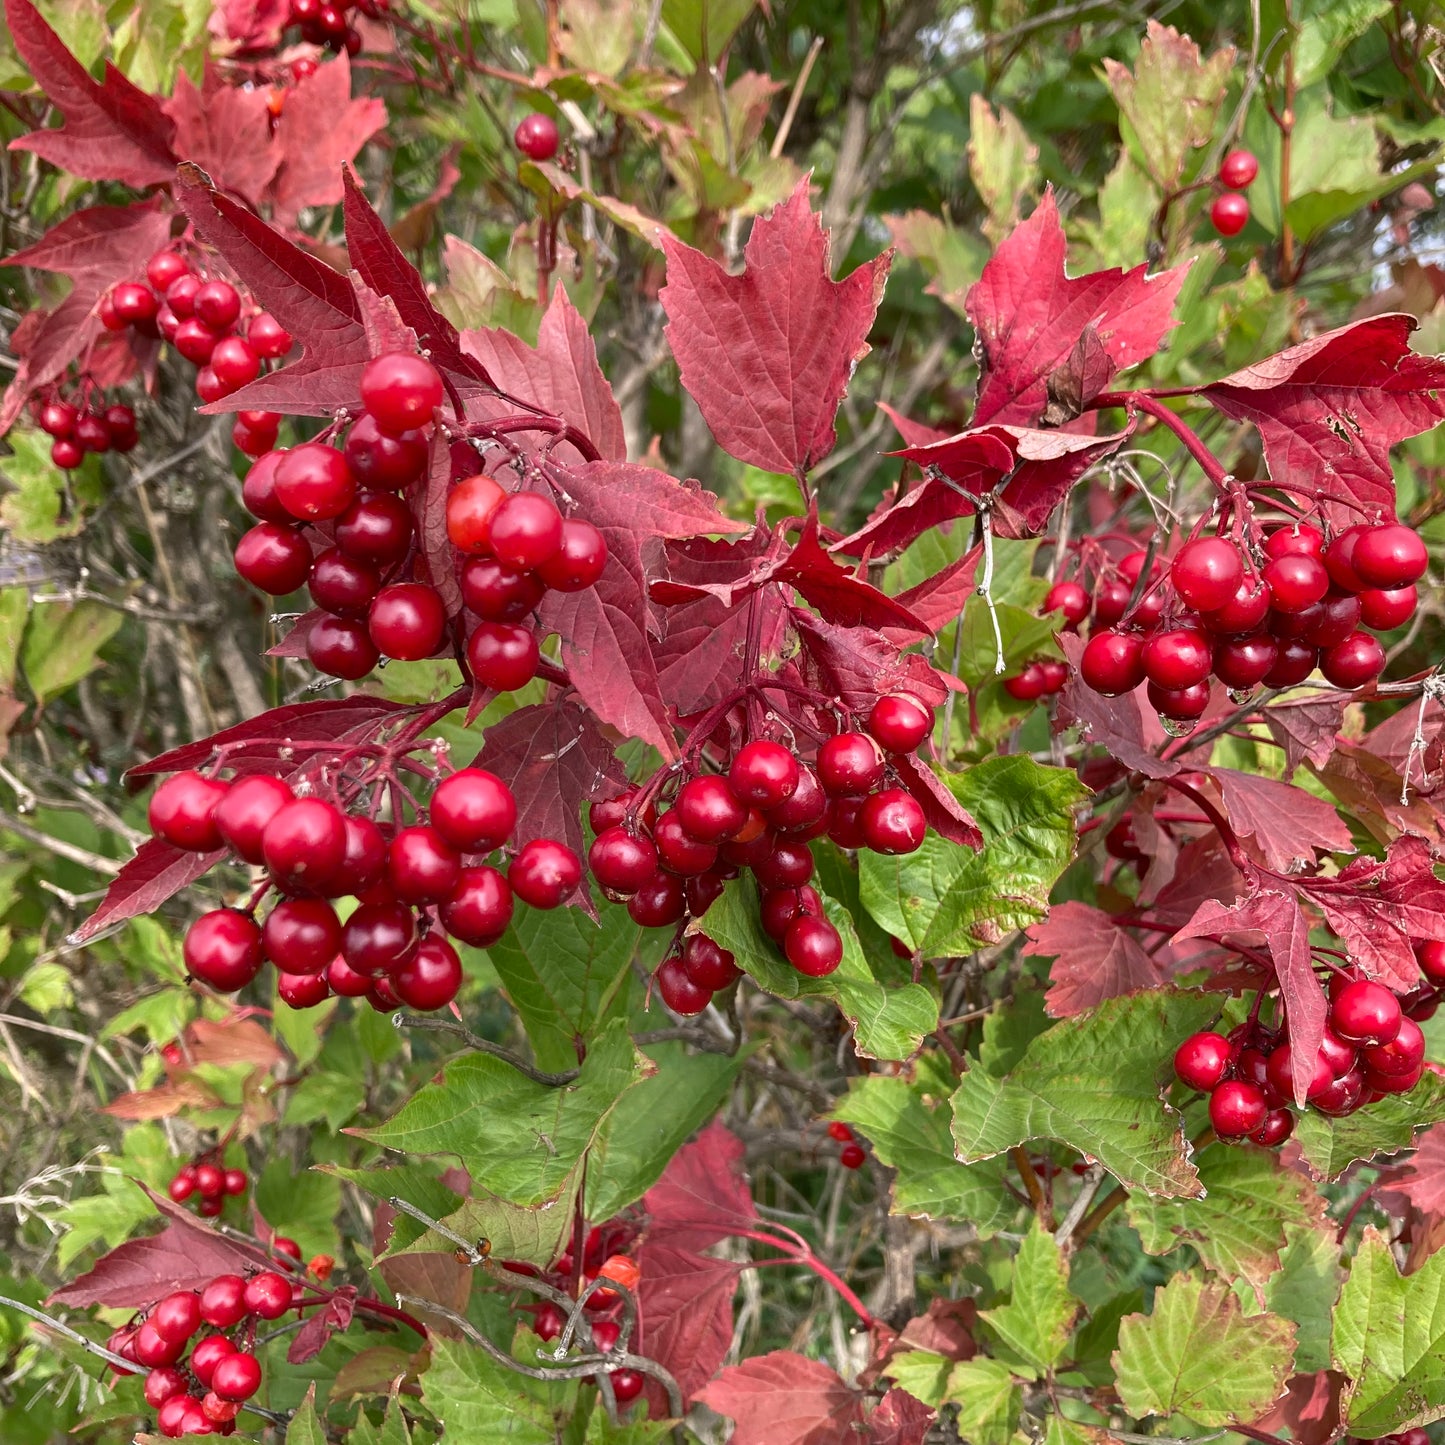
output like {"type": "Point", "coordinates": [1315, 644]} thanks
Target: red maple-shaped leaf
{"type": "Point", "coordinates": [95, 248]}
{"type": "Point", "coordinates": [1030, 315]}
{"type": "Point", "coordinates": [332, 1318]}
{"type": "Point", "coordinates": [857, 665]}
{"type": "Point", "coordinates": [1126, 727]}
{"type": "Point", "coordinates": [560, 377]}
{"type": "Point", "coordinates": [112, 130]}
{"type": "Point", "coordinates": [900, 1420]}
{"type": "Point", "coordinates": [1305, 725]}
{"type": "Point", "coordinates": [226, 130]}
{"type": "Point", "coordinates": [1275, 920]}
{"type": "Point", "coordinates": [157, 872]}
{"type": "Point", "coordinates": [767, 354]}
{"type": "Point", "coordinates": [320, 307]}
{"type": "Point", "coordinates": [1422, 1179]}
{"type": "Point", "coordinates": [320, 130]}
{"type": "Point", "coordinates": [702, 1196]}
{"type": "Point", "coordinates": [786, 1399]}
{"type": "Point", "coordinates": [186, 1254]}
{"type": "Point", "coordinates": [1285, 824]}
{"type": "Point", "coordinates": [1329, 410]}
{"type": "Point", "coordinates": [685, 1312]}
{"type": "Point", "coordinates": [1095, 957]}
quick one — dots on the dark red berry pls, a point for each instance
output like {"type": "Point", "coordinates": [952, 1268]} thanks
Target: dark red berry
{"type": "Point", "coordinates": [1277, 1127]}
{"type": "Point", "coordinates": [708, 809]}
{"type": "Point", "coordinates": [1178, 658]}
{"type": "Point", "coordinates": [503, 656]}
{"type": "Point", "coordinates": [474, 810]}
{"type": "Point", "coordinates": [1294, 661]}
{"type": "Point", "coordinates": [545, 873]}
{"type": "Point", "coordinates": [267, 1295]}
{"type": "Point", "coordinates": [678, 851]}
{"type": "Point", "coordinates": [153, 1349]}
{"type": "Point", "coordinates": [1179, 704]}
{"type": "Point", "coordinates": [498, 593]}
{"type": "Point", "coordinates": [899, 722]}
{"type": "Point", "coordinates": [622, 861]}
{"type": "Point", "coordinates": [812, 945]}
{"type": "Point", "coordinates": [480, 907]}
{"type": "Point", "coordinates": [303, 990]}
{"type": "Point", "coordinates": [165, 267]}
{"type": "Point", "coordinates": [378, 938]}
{"type": "Point", "coordinates": [536, 136]}
{"type": "Point", "coordinates": [268, 338]}
{"type": "Point", "coordinates": [659, 902]}
{"type": "Point", "coordinates": [893, 822]}
{"type": "Point", "coordinates": [302, 935]}
{"type": "Point", "coordinates": [1296, 581]}
{"type": "Point", "coordinates": [407, 620]}
{"type": "Point", "coordinates": [1207, 572]}
{"type": "Point", "coordinates": [274, 558]}
{"type": "Point", "coordinates": [787, 863]}
{"type": "Point", "coordinates": [431, 978]}
{"type": "Point", "coordinates": [579, 559]}
{"type": "Point", "coordinates": [1237, 1109]}
{"type": "Point", "coordinates": [851, 1156]}
{"type": "Point", "coordinates": [304, 844]}
{"type": "Point", "coordinates": [678, 991]}
{"type": "Point", "coordinates": [314, 483]}
{"type": "Point", "coordinates": [223, 949]}
{"type": "Point", "coordinates": [1228, 215]}
{"type": "Point", "coordinates": [375, 528]}
{"type": "Point", "coordinates": [178, 1316]}
{"type": "Point", "coordinates": [210, 1351]}
{"type": "Point", "coordinates": [380, 462]}
{"type": "Point", "coordinates": [162, 1384]}
{"type": "Point", "coordinates": [1364, 1012]}
{"type": "Point", "coordinates": [341, 647]}
{"type": "Point", "coordinates": [1385, 610]}
{"type": "Point", "coordinates": [234, 363]}
{"type": "Point", "coordinates": [1402, 1055]}
{"type": "Point", "coordinates": [470, 505]}
{"type": "Point", "coordinates": [341, 584]}
{"type": "Point", "coordinates": [1354, 662]}
{"type": "Point", "coordinates": [1066, 597]}
{"type": "Point", "coordinates": [1243, 662]}
{"type": "Point", "coordinates": [1339, 616]}
{"type": "Point", "coordinates": [217, 304]}
{"type": "Point", "coordinates": [400, 391]}
{"type": "Point", "coordinates": [708, 964]}
{"type": "Point", "coordinates": [763, 774]}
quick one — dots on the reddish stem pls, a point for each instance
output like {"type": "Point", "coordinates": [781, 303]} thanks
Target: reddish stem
{"type": "Point", "coordinates": [806, 1257]}
{"type": "Point", "coordinates": [1151, 406]}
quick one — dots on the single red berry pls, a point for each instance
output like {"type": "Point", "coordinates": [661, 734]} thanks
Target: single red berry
{"type": "Point", "coordinates": [578, 561]}
{"type": "Point", "coordinates": [474, 810]}
{"type": "Point", "coordinates": [659, 902]}
{"type": "Point", "coordinates": [850, 765]}
{"type": "Point", "coordinates": [274, 558]}
{"type": "Point", "coordinates": [267, 1295]}
{"type": "Point", "coordinates": [1237, 1109]}
{"type": "Point", "coordinates": [1207, 572]}
{"type": "Point", "coordinates": [234, 363]}
{"type": "Point", "coordinates": [1430, 954]}
{"type": "Point", "coordinates": [536, 136]}
{"type": "Point", "coordinates": [498, 593]}
{"type": "Point", "coordinates": [1228, 214]}
{"type": "Point", "coordinates": [845, 823]}
{"type": "Point", "coordinates": [1027, 686]}
{"type": "Point", "coordinates": [781, 906]}
{"type": "Point", "coordinates": [210, 1351]}
{"type": "Point", "coordinates": [223, 949]}
{"type": "Point", "coordinates": [1354, 662]}
{"type": "Point", "coordinates": [407, 620]}
{"type": "Point", "coordinates": [480, 907]}
{"type": "Point", "coordinates": [678, 991]}
{"type": "Point", "coordinates": [153, 1349]}
{"type": "Point", "coordinates": [178, 1316]}
{"type": "Point", "coordinates": [1112, 663]}
{"type": "Point", "coordinates": [1296, 581]}
{"type": "Point", "coordinates": [345, 982]}
{"type": "Point", "coordinates": [1202, 1060]}
{"type": "Point", "coordinates": [708, 809]}
{"type": "Point", "coordinates": [422, 866]}
{"type": "Point", "coordinates": [375, 528]}
{"type": "Point", "coordinates": [183, 809]}
{"type": "Point", "coordinates": [678, 851]}
{"type": "Point", "coordinates": [378, 938]}
{"type": "Point", "coordinates": [237, 1376]}
{"type": "Point", "coordinates": [1238, 169]}
{"type": "Point", "coordinates": [66, 454]}
{"type": "Point", "coordinates": [1177, 659]}
{"type": "Point", "coordinates": [195, 1421]}
{"type": "Point", "coordinates": [134, 304]}
{"type": "Point", "coordinates": [840, 1131]}
{"type": "Point", "coordinates": [181, 1188]}
{"type": "Point", "coordinates": [1277, 1127]}
{"type": "Point", "coordinates": [524, 530]}
{"type": "Point", "coordinates": [893, 822]}
{"type": "Point", "coordinates": [431, 978]}
{"type": "Point", "coordinates": [400, 391]}
{"type": "Point", "coordinates": [384, 463]}
{"type": "Point", "coordinates": [1339, 559]}
{"type": "Point", "coordinates": [763, 774]}
{"type": "Point", "coordinates": [341, 584]}
{"type": "Point", "coordinates": [220, 1412]}
{"type": "Point", "coordinates": [787, 863]}
{"type": "Point", "coordinates": [218, 304]}
{"type": "Point", "coordinates": [1402, 1055]}
{"type": "Point", "coordinates": [1364, 1012]}
{"type": "Point", "coordinates": [211, 1179]}
{"type": "Point", "coordinates": [173, 1414]}
{"type": "Point", "coordinates": [268, 338]}
{"type": "Point", "coordinates": [341, 647]}
{"type": "Point", "coordinates": [1279, 1072]}
{"type": "Point", "coordinates": [58, 418]}
{"type": "Point", "coordinates": [1294, 661]}
{"type": "Point", "coordinates": [1244, 662]}
{"type": "Point", "coordinates": [470, 504]}
{"type": "Point", "coordinates": [364, 861]}
{"type": "Point", "coordinates": [813, 946]}
{"type": "Point", "coordinates": [851, 1156]}
{"type": "Point", "coordinates": [209, 386]}
{"type": "Point", "coordinates": [899, 722]}
{"type": "Point", "coordinates": [703, 890]}
{"type": "Point", "coordinates": [314, 483]}
{"type": "Point", "coordinates": [303, 990]}
{"type": "Point", "coordinates": [304, 844]}
{"type": "Point", "coordinates": [1179, 704]}
{"type": "Point", "coordinates": [258, 490]}
{"type": "Point", "coordinates": [1298, 540]}
{"type": "Point", "coordinates": [181, 294]}
{"type": "Point", "coordinates": [1070, 599]}
{"type": "Point", "coordinates": [545, 873]}
{"type": "Point", "coordinates": [1386, 609]}
{"type": "Point", "coordinates": [235, 1182]}
{"type": "Point", "coordinates": [548, 1322]}
{"type": "Point", "coordinates": [302, 935]}
{"type": "Point", "coordinates": [622, 861]}
{"type": "Point", "coordinates": [162, 1384]}
{"type": "Point", "coordinates": [195, 340]}
{"type": "Point", "coordinates": [1339, 616]}
{"type": "Point", "coordinates": [708, 964]}
{"type": "Point", "coordinates": [1389, 556]}
{"type": "Point", "coordinates": [503, 656]}
{"type": "Point", "coordinates": [806, 812]}
{"type": "Point", "coordinates": [165, 267]}
{"type": "Point", "coordinates": [627, 1385]}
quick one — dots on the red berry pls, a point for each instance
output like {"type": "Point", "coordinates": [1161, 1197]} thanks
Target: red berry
{"type": "Point", "coordinates": [899, 723]}
{"type": "Point", "coordinates": [708, 964]}
{"type": "Point", "coordinates": [536, 137]}
{"type": "Point", "coordinates": [344, 981]}
{"type": "Point", "coordinates": [1364, 1012]}
{"type": "Point", "coordinates": [708, 809]}
{"type": "Point", "coordinates": [431, 977]}
{"type": "Point", "coordinates": [1112, 663]}
{"type": "Point", "coordinates": [178, 1316]}
{"type": "Point", "coordinates": [1390, 556]}
{"type": "Point", "coordinates": [702, 891]}
{"type": "Point", "coordinates": [1299, 540]}
{"type": "Point", "coordinates": [341, 647]}
{"type": "Point", "coordinates": [273, 558]}
{"type": "Point", "coordinates": [162, 1384]}
{"type": "Point", "coordinates": [549, 1322]}
{"type": "Point", "coordinates": [213, 1349]}
{"type": "Point", "coordinates": [813, 946]}
{"type": "Point", "coordinates": [258, 491]}
{"type": "Point", "coordinates": [235, 1182]}
{"type": "Point", "coordinates": [850, 765]}
{"type": "Point", "coordinates": [165, 267]}
{"type": "Point", "coordinates": [579, 560]}
{"type": "Point", "coordinates": [378, 938]}
{"type": "Point", "coordinates": [503, 656]}
{"type": "Point", "coordinates": [267, 1295]}
{"type": "Point", "coordinates": [209, 386]}
{"type": "Point", "coordinates": [1028, 686]}
{"type": "Point", "coordinates": [1243, 662]}
{"type": "Point", "coordinates": [1402, 1055]}
{"type": "Point", "coordinates": [314, 483]}
{"type": "Point", "coordinates": [268, 338]}
{"type": "Point", "coordinates": [1237, 1108]}
{"type": "Point", "coordinates": [498, 593]}
{"type": "Point", "coordinates": [659, 902]}
{"type": "Point", "coordinates": [524, 530]}
{"type": "Point", "coordinates": [304, 844]}
{"type": "Point", "coordinates": [195, 340]}
{"type": "Point", "coordinates": [470, 504]}
{"type": "Point", "coordinates": [223, 949]}
{"type": "Point", "coordinates": [806, 812]}
{"type": "Point", "coordinates": [1339, 559]}
{"type": "Point", "coordinates": [153, 1349]}
{"type": "Point", "coordinates": [1277, 1127]}
{"type": "Point", "coordinates": [400, 391]}
{"type": "Point", "coordinates": [1238, 169]}
{"type": "Point", "coordinates": [1379, 1085]}
{"type": "Point", "coordinates": [172, 1415]}
{"type": "Point", "coordinates": [1339, 616]}
{"type": "Point", "coordinates": [382, 462]}
{"type": "Point", "coordinates": [781, 906]}
{"type": "Point", "coordinates": [303, 990]}
{"type": "Point", "coordinates": [407, 620]}
{"type": "Point", "coordinates": [1281, 1078]}
{"type": "Point", "coordinates": [234, 363]}
{"type": "Point", "coordinates": [181, 1188]}
{"type": "Point", "coordinates": [678, 851]}
{"type": "Point", "coordinates": [545, 873]}
{"type": "Point", "coordinates": [1177, 659]}
{"type": "Point", "coordinates": [364, 861]}
{"type": "Point", "coordinates": [845, 823]}
{"type": "Point", "coordinates": [1296, 581]}
{"type": "Point", "coordinates": [480, 907]}
{"type": "Point", "coordinates": [1070, 599]}
{"type": "Point", "coordinates": [1343, 1096]}
{"type": "Point", "coordinates": [840, 1131]}
{"type": "Point", "coordinates": [1384, 610]}
{"type": "Point", "coordinates": [1354, 662]}
{"type": "Point", "coordinates": [1294, 661]}
{"type": "Point", "coordinates": [181, 294]}
{"type": "Point", "coordinates": [375, 528]}
{"type": "Point", "coordinates": [678, 991]}
{"type": "Point", "coordinates": [622, 861]}
{"type": "Point", "coordinates": [422, 866]}
{"type": "Point", "coordinates": [210, 1179]}
{"type": "Point", "coordinates": [787, 863]}
{"type": "Point", "coordinates": [851, 1156]}
{"type": "Point", "coordinates": [301, 935]}
{"type": "Point", "coordinates": [217, 304]}
{"type": "Point", "coordinates": [183, 811]}
{"type": "Point", "coordinates": [627, 1385]}
{"type": "Point", "coordinates": [1430, 954]}
{"type": "Point", "coordinates": [134, 304]}
{"type": "Point", "coordinates": [474, 810]}
{"type": "Point", "coordinates": [1228, 214]}
{"type": "Point", "coordinates": [217, 1410]}
{"type": "Point", "coordinates": [341, 584]}
{"type": "Point", "coordinates": [1207, 573]}
{"type": "Point", "coordinates": [247, 807]}
{"type": "Point", "coordinates": [58, 418]}
{"type": "Point", "coordinates": [893, 822]}
{"type": "Point", "coordinates": [1202, 1060]}
{"type": "Point", "coordinates": [1179, 704]}
{"type": "Point", "coordinates": [763, 774]}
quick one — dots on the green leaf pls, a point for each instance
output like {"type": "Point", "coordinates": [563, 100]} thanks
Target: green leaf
{"type": "Point", "coordinates": [305, 1428]}
{"type": "Point", "coordinates": [62, 643]}
{"type": "Point", "coordinates": [922, 1373]}
{"type": "Point", "coordinates": [302, 1204]}
{"type": "Point", "coordinates": [14, 609]}
{"type": "Point", "coordinates": [392, 1430]}
{"type": "Point", "coordinates": [1025, 635]}
{"type": "Point", "coordinates": [953, 259]}
{"type": "Point", "coordinates": [890, 1022]}
{"type": "Point", "coordinates": [1325, 35]}
{"type": "Point", "coordinates": [704, 27]}
{"type": "Point", "coordinates": [1002, 162]}
{"type": "Point", "coordinates": [481, 1399]}
{"type": "Point", "coordinates": [651, 1122]}
{"type": "Point", "coordinates": [944, 899]}
{"type": "Point", "coordinates": [1128, 201]}
{"type": "Point", "coordinates": [1036, 1322]}
{"type": "Point", "coordinates": [1305, 1289]}
{"type": "Point", "coordinates": [517, 1139]}
{"type": "Point", "coordinates": [1238, 1226]}
{"type": "Point", "coordinates": [40, 508]}
{"type": "Point", "coordinates": [1198, 1355]}
{"type": "Point", "coordinates": [1097, 1083]}
{"type": "Point", "coordinates": [908, 1127]}
{"type": "Point", "coordinates": [564, 975]}
{"type": "Point", "coordinates": [1389, 1339]}
{"type": "Point", "coordinates": [1330, 1146]}
{"type": "Point", "coordinates": [45, 987]}
{"type": "Point", "coordinates": [988, 1401]}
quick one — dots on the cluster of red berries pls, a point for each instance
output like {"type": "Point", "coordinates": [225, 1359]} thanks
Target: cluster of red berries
{"type": "Point", "coordinates": [1372, 1047]}
{"type": "Point", "coordinates": [330, 519]}
{"type": "Point", "coordinates": [413, 884]}
{"type": "Point", "coordinates": [851, 1155]}
{"type": "Point", "coordinates": [1230, 210]}
{"type": "Point", "coordinates": [536, 137]}
{"type": "Point", "coordinates": [671, 864]}
{"type": "Point", "coordinates": [328, 22]}
{"type": "Point", "coordinates": [79, 426]}
{"type": "Point", "coordinates": [1040, 678]}
{"type": "Point", "coordinates": [209, 1183]}
{"type": "Point", "coordinates": [1215, 609]}
{"type": "Point", "coordinates": [199, 1386]}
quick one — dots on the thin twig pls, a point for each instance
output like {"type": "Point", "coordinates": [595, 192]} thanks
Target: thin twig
{"type": "Point", "coordinates": [486, 1046]}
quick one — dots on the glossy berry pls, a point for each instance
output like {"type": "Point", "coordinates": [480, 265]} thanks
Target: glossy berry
{"type": "Point", "coordinates": [899, 723]}
{"type": "Point", "coordinates": [659, 902]}
{"type": "Point", "coordinates": [1029, 685]}
{"type": "Point", "coordinates": [341, 584]}
{"type": "Point", "coordinates": [303, 990]}
{"type": "Point", "coordinates": [708, 964]}
{"type": "Point", "coordinates": [304, 844]}
{"type": "Point", "coordinates": [893, 822]}
{"type": "Point", "coordinates": [579, 559]}
{"type": "Point", "coordinates": [377, 938]}
{"type": "Point", "coordinates": [407, 620]}
{"type": "Point", "coordinates": [217, 303]}
{"type": "Point", "coordinates": [1402, 1055]}
{"type": "Point", "coordinates": [851, 1156]}
{"type": "Point", "coordinates": [1390, 556]}
{"type": "Point", "coordinates": [431, 978]}
{"type": "Point", "coordinates": [1112, 663]}
{"type": "Point", "coordinates": [1338, 617]}
{"type": "Point", "coordinates": [58, 418]}
{"type": "Point", "coordinates": [267, 1295]}
{"type": "Point", "coordinates": [524, 530]}
{"type": "Point", "coordinates": [708, 809]}
{"type": "Point", "coordinates": [763, 774]}
{"type": "Point", "coordinates": [813, 946]}
{"type": "Point", "coordinates": [1430, 955]}
{"type": "Point", "coordinates": [1386, 609]}
{"type": "Point", "coordinates": [782, 905]}
{"type": "Point", "coordinates": [235, 1182]}
{"type": "Point", "coordinates": [301, 935]}
{"type": "Point", "coordinates": [210, 1352]}
{"type": "Point", "coordinates": [1177, 659]}
{"type": "Point", "coordinates": [627, 1385]}
{"type": "Point", "coordinates": [1070, 599]}
{"type": "Point", "coordinates": [237, 1376]}
{"type": "Point", "coordinates": [1228, 214]}
{"type": "Point", "coordinates": [274, 558]}
{"type": "Point", "coordinates": [268, 337]}
{"type": "Point", "coordinates": [1295, 582]}
{"type": "Point", "coordinates": [1244, 662]}
{"type": "Point", "coordinates": [787, 863]}
{"type": "Point", "coordinates": [1294, 661]}
{"type": "Point", "coordinates": [183, 809]}
{"type": "Point", "coordinates": [503, 656]}
{"type": "Point", "coordinates": [1244, 612]}
{"type": "Point", "coordinates": [1237, 1108]}
{"type": "Point", "coordinates": [234, 363]}
{"type": "Point", "coordinates": [375, 528]}
{"type": "Point", "coordinates": [678, 851]}
{"type": "Point", "coordinates": [850, 765]}
{"type": "Point", "coordinates": [622, 861]}
{"type": "Point", "coordinates": [479, 908]}
{"type": "Point", "coordinates": [1207, 572]}
{"type": "Point", "coordinates": [1279, 1069]}
{"type": "Point", "coordinates": [1354, 662]}
{"type": "Point", "coordinates": [536, 137]}
{"type": "Point", "coordinates": [840, 1131]}
{"type": "Point", "coordinates": [210, 1179]}
{"type": "Point", "coordinates": [400, 391]}
{"type": "Point", "coordinates": [381, 462]}
{"type": "Point", "coordinates": [470, 504]}
{"type": "Point", "coordinates": [162, 1384]}
{"type": "Point", "coordinates": [134, 304]}
{"type": "Point", "coordinates": [545, 873]}
{"type": "Point", "coordinates": [341, 647]}
{"type": "Point", "coordinates": [364, 861]}
{"type": "Point", "coordinates": [1364, 1012]}
{"type": "Point", "coordinates": [806, 811]}
{"type": "Point", "coordinates": [314, 483]}
{"type": "Point", "coordinates": [181, 1187]}
{"type": "Point", "coordinates": [1179, 704]}
{"type": "Point", "coordinates": [498, 593]}
{"type": "Point", "coordinates": [1277, 1127]}
{"type": "Point", "coordinates": [677, 989]}
{"type": "Point", "coordinates": [223, 949]}
{"type": "Point", "coordinates": [1202, 1060]}
{"type": "Point", "coordinates": [165, 267]}
{"type": "Point", "coordinates": [178, 1316]}
{"type": "Point", "coordinates": [473, 810]}
{"type": "Point", "coordinates": [67, 454]}
{"type": "Point", "coordinates": [1238, 169]}
{"type": "Point", "coordinates": [153, 1349]}
{"type": "Point", "coordinates": [249, 804]}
